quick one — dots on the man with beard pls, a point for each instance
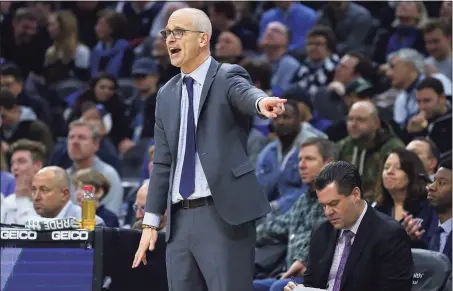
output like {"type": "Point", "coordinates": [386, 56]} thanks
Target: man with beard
{"type": "Point", "coordinates": [276, 167]}
{"type": "Point", "coordinates": [369, 140]}
{"type": "Point", "coordinates": [438, 236]}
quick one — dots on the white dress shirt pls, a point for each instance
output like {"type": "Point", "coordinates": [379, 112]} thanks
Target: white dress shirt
{"type": "Point", "coordinates": [201, 183]}
{"type": "Point", "coordinates": [340, 248]}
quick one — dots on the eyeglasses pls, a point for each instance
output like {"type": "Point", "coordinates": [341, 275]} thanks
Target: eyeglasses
{"type": "Point", "coordinates": [137, 208]}
{"type": "Point", "coordinates": [178, 33]}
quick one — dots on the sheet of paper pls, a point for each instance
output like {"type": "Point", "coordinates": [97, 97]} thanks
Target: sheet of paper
{"type": "Point", "coordinates": [302, 288]}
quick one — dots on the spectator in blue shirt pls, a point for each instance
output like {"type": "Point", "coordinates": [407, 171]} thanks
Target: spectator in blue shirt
{"type": "Point", "coordinates": [274, 45]}
{"type": "Point", "coordinates": [297, 17]}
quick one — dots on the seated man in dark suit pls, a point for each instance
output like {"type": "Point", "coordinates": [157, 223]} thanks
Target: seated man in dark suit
{"type": "Point", "coordinates": [357, 249]}
{"type": "Point", "coordinates": [440, 198]}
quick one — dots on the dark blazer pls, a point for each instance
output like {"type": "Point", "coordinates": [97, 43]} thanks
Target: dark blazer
{"type": "Point", "coordinates": [419, 210]}
{"type": "Point", "coordinates": [427, 238]}
{"type": "Point", "coordinates": [380, 258]}
{"type": "Point", "coordinates": [228, 99]}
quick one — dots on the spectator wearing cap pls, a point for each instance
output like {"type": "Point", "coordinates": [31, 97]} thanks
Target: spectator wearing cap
{"type": "Point", "coordinates": [11, 77]}
{"type": "Point", "coordinates": [146, 77]}
{"type": "Point", "coordinates": [305, 106]}
{"type": "Point", "coordinates": [427, 152]}
{"type": "Point", "coordinates": [297, 17]}
{"type": "Point", "coordinates": [103, 91]}
{"type": "Point", "coordinates": [317, 69]}
{"type": "Point", "coordinates": [274, 44]}
{"type": "Point", "coordinates": [101, 188]}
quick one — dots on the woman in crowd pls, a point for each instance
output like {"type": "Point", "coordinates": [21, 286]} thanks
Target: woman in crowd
{"type": "Point", "coordinates": [102, 91]}
{"type": "Point", "coordinates": [112, 53]}
{"type": "Point", "coordinates": [402, 188]}
{"type": "Point", "coordinates": [101, 188]}
{"type": "Point", "coordinates": [67, 57]}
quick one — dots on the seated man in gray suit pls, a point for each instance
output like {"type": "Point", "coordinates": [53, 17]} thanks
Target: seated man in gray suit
{"type": "Point", "coordinates": [51, 196]}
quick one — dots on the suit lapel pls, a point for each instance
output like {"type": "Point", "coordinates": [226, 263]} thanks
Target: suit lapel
{"type": "Point", "coordinates": [175, 104]}
{"type": "Point", "coordinates": [363, 233]}
{"type": "Point", "coordinates": [213, 67]}
{"type": "Point", "coordinates": [327, 259]}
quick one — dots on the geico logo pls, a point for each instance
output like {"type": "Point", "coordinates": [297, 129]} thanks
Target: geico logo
{"type": "Point", "coordinates": [19, 234]}
{"type": "Point", "coordinates": [70, 235]}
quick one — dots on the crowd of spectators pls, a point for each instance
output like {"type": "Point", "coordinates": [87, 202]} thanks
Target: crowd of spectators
{"type": "Point", "coordinates": [367, 82]}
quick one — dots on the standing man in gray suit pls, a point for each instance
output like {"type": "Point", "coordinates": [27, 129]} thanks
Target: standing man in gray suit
{"type": "Point", "coordinates": [201, 172]}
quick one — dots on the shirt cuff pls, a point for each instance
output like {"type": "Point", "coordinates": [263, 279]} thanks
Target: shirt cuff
{"type": "Point", "coordinates": [256, 105]}
{"type": "Point", "coordinates": [151, 219]}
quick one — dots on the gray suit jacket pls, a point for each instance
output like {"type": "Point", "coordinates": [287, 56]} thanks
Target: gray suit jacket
{"type": "Point", "coordinates": [227, 103]}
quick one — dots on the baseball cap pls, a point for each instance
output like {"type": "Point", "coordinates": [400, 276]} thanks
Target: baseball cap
{"type": "Point", "coordinates": [144, 66]}
{"type": "Point", "coordinates": [359, 86]}
{"type": "Point", "coordinates": [298, 94]}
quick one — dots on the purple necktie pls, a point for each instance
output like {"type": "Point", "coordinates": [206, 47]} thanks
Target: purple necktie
{"type": "Point", "coordinates": [187, 184]}
{"type": "Point", "coordinates": [348, 235]}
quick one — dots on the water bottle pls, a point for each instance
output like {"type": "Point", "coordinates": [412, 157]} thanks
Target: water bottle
{"type": "Point", "coordinates": [88, 208]}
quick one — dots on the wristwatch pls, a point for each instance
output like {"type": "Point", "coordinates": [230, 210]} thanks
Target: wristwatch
{"type": "Point", "coordinates": [144, 226]}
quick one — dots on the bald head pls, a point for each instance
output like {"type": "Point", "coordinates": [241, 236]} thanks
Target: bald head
{"type": "Point", "coordinates": [366, 107]}
{"type": "Point", "coordinates": [140, 201]}
{"type": "Point", "coordinates": [276, 35]}
{"type": "Point", "coordinates": [60, 175]}
{"type": "Point", "coordinates": [200, 20]}
{"type": "Point", "coordinates": [363, 121]}
{"type": "Point", "coordinates": [50, 191]}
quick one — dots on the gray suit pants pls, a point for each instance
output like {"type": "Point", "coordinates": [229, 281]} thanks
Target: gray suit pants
{"type": "Point", "coordinates": [206, 253]}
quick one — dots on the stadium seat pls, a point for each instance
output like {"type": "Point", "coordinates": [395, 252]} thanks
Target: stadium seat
{"type": "Point", "coordinates": [67, 87]}
{"type": "Point", "coordinates": [431, 270]}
